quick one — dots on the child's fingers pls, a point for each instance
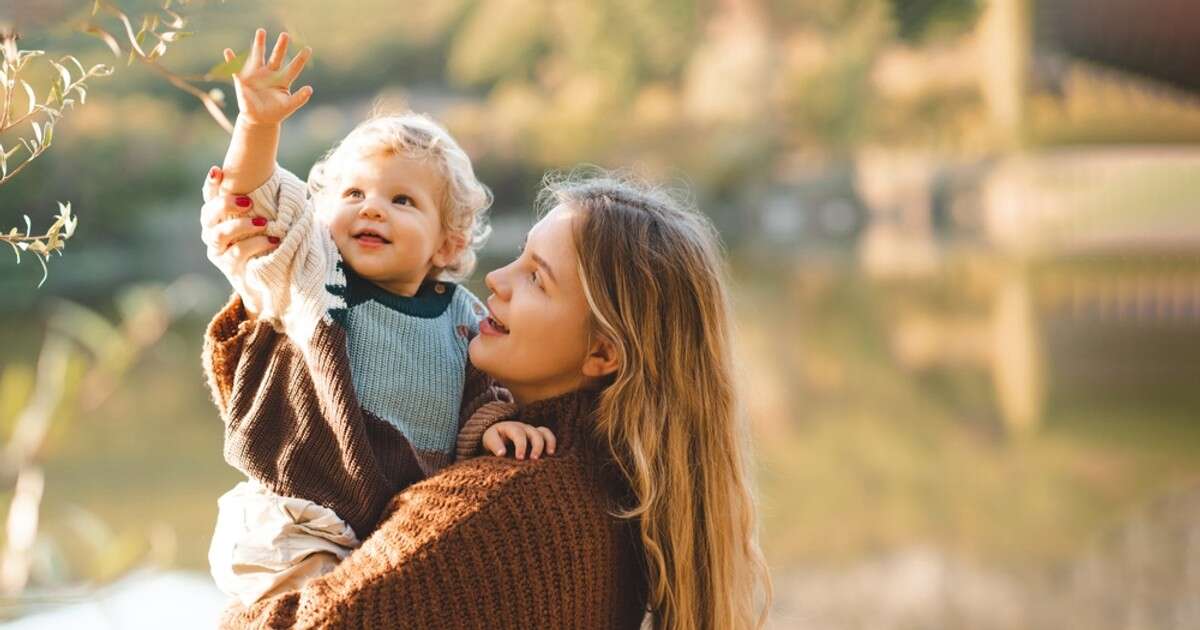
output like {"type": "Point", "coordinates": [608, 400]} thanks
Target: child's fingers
{"type": "Point", "coordinates": [536, 442]}
{"type": "Point", "coordinates": [299, 98]}
{"type": "Point", "coordinates": [279, 52]}
{"type": "Point", "coordinates": [296, 65]}
{"type": "Point", "coordinates": [493, 443]}
{"type": "Point", "coordinates": [551, 441]}
{"type": "Point", "coordinates": [517, 435]}
{"type": "Point", "coordinates": [257, 50]}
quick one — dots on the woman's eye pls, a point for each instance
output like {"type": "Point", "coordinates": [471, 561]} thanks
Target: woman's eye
{"type": "Point", "coordinates": [403, 200]}
{"type": "Point", "coordinates": [533, 276]}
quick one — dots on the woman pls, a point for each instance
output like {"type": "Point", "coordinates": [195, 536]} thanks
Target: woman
{"type": "Point", "coordinates": [612, 330]}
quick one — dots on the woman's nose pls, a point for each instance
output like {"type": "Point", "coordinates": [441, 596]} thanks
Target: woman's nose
{"type": "Point", "coordinates": [495, 281]}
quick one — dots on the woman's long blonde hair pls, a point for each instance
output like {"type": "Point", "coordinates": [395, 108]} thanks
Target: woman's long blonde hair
{"type": "Point", "coordinates": [654, 277]}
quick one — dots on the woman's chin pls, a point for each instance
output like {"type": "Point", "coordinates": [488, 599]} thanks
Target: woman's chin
{"type": "Point", "coordinates": [480, 355]}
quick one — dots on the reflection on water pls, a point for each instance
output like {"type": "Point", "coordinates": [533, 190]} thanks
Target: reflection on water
{"type": "Point", "coordinates": [1143, 575]}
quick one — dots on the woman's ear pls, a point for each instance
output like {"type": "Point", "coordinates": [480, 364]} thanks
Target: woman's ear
{"type": "Point", "coordinates": [452, 246]}
{"type": "Point", "coordinates": [603, 358]}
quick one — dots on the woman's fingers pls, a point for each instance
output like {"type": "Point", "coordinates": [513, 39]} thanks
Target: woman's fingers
{"type": "Point", "coordinates": [242, 251]}
{"type": "Point", "coordinates": [551, 441]}
{"type": "Point", "coordinates": [225, 234]}
{"type": "Point", "coordinates": [279, 52]}
{"type": "Point", "coordinates": [221, 207]}
{"type": "Point", "coordinates": [212, 184]}
{"type": "Point", "coordinates": [229, 54]}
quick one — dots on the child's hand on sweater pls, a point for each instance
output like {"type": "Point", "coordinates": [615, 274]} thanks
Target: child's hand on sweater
{"type": "Point", "coordinates": [520, 434]}
{"type": "Point", "coordinates": [263, 85]}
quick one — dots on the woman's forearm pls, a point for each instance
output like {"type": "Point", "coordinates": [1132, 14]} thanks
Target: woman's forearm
{"type": "Point", "coordinates": [250, 159]}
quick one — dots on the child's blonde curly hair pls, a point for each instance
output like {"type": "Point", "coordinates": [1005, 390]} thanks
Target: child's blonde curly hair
{"type": "Point", "coordinates": [464, 201]}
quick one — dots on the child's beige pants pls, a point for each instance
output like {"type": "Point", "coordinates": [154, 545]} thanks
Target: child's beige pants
{"type": "Point", "coordinates": [266, 544]}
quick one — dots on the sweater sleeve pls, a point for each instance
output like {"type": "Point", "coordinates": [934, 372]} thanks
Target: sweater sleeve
{"type": "Point", "coordinates": [293, 423]}
{"type": "Point", "coordinates": [487, 543]}
{"type": "Point", "coordinates": [293, 276]}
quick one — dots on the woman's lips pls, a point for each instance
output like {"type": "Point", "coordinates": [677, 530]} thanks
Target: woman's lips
{"type": "Point", "coordinates": [490, 326]}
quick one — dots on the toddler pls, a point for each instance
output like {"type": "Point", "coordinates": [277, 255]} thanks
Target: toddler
{"type": "Point", "coordinates": [366, 393]}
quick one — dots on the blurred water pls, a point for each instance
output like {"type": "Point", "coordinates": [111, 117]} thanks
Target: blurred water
{"type": "Point", "coordinates": [146, 600]}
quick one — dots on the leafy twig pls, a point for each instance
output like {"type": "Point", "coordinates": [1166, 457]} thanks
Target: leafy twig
{"type": "Point", "coordinates": [165, 27]}
{"type": "Point", "coordinates": [52, 241]}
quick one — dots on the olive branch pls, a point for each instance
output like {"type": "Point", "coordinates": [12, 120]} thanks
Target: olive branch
{"type": "Point", "coordinates": [66, 89]}
{"type": "Point", "coordinates": [145, 44]}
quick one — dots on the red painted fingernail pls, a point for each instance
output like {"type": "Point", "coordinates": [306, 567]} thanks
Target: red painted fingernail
{"type": "Point", "coordinates": [259, 221]}
{"type": "Point", "coordinates": [274, 240]}
{"type": "Point", "coordinates": [212, 173]}
{"type": "Point", "coordinates": [242, 201]}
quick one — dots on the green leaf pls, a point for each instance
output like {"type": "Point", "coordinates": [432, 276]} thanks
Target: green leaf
{"type": "Point", "coordinates": [78, 65]}
{"type": "Point", "coordinates": [227, 69]}
{"type": "Point", "coordinates": [29, 93]}
{"type": "Point", "coordinates": [62, 73]}
{"type": "Point", "coordinates": [106, 37]}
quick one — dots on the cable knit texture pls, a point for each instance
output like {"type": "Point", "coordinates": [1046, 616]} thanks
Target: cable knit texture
{"type": "Point", "coordinates": [294, 423]}
{"type": "Point", "coordinates": [485, 543]}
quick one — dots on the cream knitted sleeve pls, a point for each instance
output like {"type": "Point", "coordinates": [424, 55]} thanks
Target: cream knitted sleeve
{"type": "Point", "coordinates": [286, 287]}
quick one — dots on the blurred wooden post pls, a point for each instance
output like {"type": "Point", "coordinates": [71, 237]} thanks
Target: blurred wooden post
{"type": "Point", "coordinates": [1018, 363]}
{"type": "Point", "coordinates": [19, 457]}
{"type": "Point", "coordinates": [1005, 47]}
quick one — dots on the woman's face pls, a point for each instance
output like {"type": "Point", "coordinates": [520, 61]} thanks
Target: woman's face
{"type": "Point", "coordinates": [536, 340]}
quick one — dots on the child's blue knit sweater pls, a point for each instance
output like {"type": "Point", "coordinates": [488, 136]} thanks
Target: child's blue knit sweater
{"type": "Point", "coordinates": [407, 355]}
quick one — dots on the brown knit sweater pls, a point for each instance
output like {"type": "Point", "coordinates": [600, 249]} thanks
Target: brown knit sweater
{"type": "Point", "coordinates": [293, 421]}
{"type": "Point", "coordinates": [486, 543]}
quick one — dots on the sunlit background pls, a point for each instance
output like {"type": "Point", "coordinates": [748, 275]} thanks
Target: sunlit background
{"type": "Point", "coordinates": [964, 239]}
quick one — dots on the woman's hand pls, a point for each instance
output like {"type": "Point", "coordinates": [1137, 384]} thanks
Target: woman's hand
{"type": "Point", "coordinates": [230, 229]}
{"type": "Point", "coordinates": [264, 86]}
{"type": "Point", "coordinates": [520, 434]}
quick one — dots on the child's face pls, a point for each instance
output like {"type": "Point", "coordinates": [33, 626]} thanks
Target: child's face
{"type": "Point", "coordinates": [383, 214]}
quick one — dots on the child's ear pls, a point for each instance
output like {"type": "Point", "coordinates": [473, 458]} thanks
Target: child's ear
{"type": "Point", "coordinates": [452, 247]}
{"type": "Point", "coordinates": [603, 358]}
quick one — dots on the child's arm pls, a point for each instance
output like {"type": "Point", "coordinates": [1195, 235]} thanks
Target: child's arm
{"type": "Point", "coordinates": [265, 99]}
{"type": "Point", "coordinates": [519, 433]}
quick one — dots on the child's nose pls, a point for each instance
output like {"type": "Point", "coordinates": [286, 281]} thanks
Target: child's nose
{"type": "Point", "coordinates": [370, 209]}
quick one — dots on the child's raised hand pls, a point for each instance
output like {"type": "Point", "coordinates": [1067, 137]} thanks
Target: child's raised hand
{"type": "Point", "coordinates": [520, 434]}
{"type": "Point", "coordinates": [264, 85]}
